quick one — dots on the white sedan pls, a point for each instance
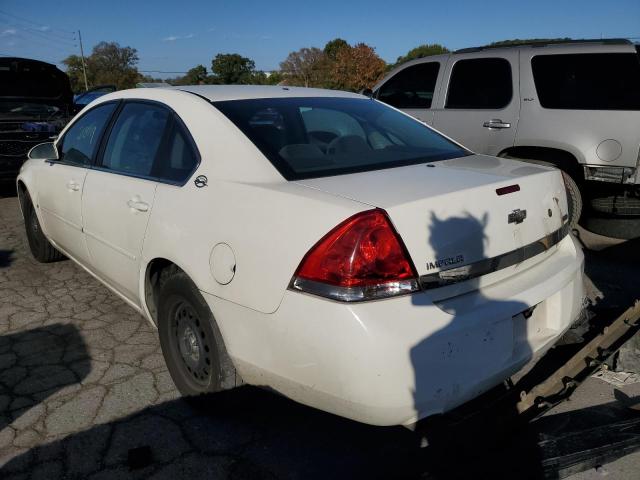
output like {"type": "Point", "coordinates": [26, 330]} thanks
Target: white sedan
{"type": "Point", "coordinates": [317, 243]}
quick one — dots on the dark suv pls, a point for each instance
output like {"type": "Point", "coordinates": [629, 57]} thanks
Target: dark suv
{"type": "Point", "coordinates": [36, 102]}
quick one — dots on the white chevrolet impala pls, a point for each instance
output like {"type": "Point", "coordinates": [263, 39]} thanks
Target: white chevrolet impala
{"type": "Point", "coordinates": [317, 243]}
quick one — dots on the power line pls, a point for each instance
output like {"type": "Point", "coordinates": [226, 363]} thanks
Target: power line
{"type": "Point", "coordinates": [37, 31]}
{"type": "Point", "coordinates": [41, 36]}
{"type": "Point", "coordinates": [17, 17]}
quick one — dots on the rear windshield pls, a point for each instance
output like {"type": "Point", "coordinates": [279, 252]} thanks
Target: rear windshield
{"type": "Point", "coordinates": [588, 81]}
{"type": "Point", "coordinates": [324, 136]}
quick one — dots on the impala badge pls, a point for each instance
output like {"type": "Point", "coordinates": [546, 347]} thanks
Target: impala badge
{"type": "Point", "coordinates": [517, 216]}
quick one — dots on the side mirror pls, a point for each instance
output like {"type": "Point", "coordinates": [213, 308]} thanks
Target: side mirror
{"type": "Point", "coordinates": [44, 151]}
{"type": "Point", "coordinates": [367, 92]}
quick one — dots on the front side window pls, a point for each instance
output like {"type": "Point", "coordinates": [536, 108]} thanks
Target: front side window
{"type": "Point", "coordinates": [480, 83]}
{"type": "Point", "coordinates": [81, 140]}
{"type": "Point", "coordinates": [411, 87]}
{"type": "Point", "coordinates": [135, 139]}
{"type": "Point", "coordinates": [312, 137]}
{"type": "Point", "coordinates": [588, 81]}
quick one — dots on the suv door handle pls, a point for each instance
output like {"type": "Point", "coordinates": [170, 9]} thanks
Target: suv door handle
{"type": "Point", "coordinates": [138, 205]}
{"type": "Point", "coordinates": [496, 123]}
{"type": "Point", "coordinates": [73, 185]}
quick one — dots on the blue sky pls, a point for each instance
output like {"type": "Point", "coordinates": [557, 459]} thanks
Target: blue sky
{"type": "Point", "coordinates": [172, 36]}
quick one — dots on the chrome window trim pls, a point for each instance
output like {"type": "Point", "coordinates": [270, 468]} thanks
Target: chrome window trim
{"type": "Point", "coordinates": [494, 264]}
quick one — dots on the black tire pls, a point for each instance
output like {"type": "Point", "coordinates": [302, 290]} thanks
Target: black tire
{"type": "Point", "coordinates": [40, 247]}
{"type": "Point", "coordinates": [574, 199]}
{"type": "Point", "coordinates": [190, 340]}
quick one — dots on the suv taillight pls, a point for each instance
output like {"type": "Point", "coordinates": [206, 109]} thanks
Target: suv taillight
{"type": "Point", "coordinates": [363, 258]}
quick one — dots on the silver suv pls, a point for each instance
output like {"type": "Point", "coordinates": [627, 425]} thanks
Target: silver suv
{"type": "Point", "coordinates": [573, 105]}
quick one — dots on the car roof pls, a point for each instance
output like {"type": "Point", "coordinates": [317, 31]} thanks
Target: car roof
{"type": "Point", "coordinates": [216, 93]}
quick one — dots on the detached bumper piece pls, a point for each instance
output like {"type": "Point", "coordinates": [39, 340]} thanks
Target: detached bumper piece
{"type": "Point", "coordinates": [581, 450]}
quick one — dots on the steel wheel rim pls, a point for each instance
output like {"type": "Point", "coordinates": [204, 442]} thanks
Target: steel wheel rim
{"type": "Point", "coordinates": [191, 344]}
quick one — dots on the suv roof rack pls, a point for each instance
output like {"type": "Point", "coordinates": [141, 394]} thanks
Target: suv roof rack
{"type": "Point", "coordinates": [545, 43]}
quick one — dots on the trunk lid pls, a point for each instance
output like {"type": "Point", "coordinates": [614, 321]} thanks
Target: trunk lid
{"type": "Point", "coordinates": [449, 214]}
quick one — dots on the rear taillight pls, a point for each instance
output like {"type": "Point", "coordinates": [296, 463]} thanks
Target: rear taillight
{"type": "Point", "coordinates": [363, 258]}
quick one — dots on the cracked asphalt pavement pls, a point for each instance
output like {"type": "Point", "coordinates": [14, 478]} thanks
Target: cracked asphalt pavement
{"type": "Point", "coordinates": [85, 393]}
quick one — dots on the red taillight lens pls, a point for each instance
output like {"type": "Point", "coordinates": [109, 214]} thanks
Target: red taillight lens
{"type": "Point", "coordinates": [363, 258]}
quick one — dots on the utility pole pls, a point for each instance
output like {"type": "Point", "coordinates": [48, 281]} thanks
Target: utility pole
{"type": "Point", "coordinates": [84, 68]}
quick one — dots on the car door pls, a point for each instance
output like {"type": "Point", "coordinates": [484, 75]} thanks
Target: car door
{"type": "Point", "coordinates": [120, 191]}
{"type": "Point", "coordinates": [480, 105]}
{"type": "Point", "coordinates": [61, 183]}
{"type": "Point", "coordinates": [412, 90]}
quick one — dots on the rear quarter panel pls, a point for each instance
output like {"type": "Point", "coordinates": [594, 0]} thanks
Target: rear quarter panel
{"type": "Point", "coordinates": [269, 223]}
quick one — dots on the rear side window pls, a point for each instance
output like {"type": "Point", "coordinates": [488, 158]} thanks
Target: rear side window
{"type": "Point", "coordinates": [310, 137]}
{"type": "Point", "coordinates": [411, 87]}
{"type": "Point", "coordinates": [588, 81]}
{"type": "Point", "coordinates": [135, 139]}
{"type": "Point", "coordinates": [179, 159]}
{"type": "Point", "coordinates": [81, 140]}
{"type": "Point", "coordinates": [480, 83]}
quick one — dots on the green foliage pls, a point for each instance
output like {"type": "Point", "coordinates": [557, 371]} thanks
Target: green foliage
{"type": "Point", "coordinates": [195, 76]}
{"type": "Point", "coordinates": [74, 71]}
{"type": "Point", "coordinates": [232, 68]}
{"type": "Point", "coordinates": [108, 64]}
{"type": "Point", "coordinates": [332, 47]}
{"type": "Point", "coordinates": [421, 51]}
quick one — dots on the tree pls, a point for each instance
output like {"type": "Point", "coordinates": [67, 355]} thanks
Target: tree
{"type": "Point", "coordinates": [74, 71]}
{"type": "Point", "coordinates": [109, 63]}
{"type": "Point", "coordinates": [357, 67]}
{"type": "Point", "coordinates": [425, 50]}
{"type": "Point", "coordinates": [232, 68]}
{"type": "Point", "coordinates": [306, 67]}
{"type": "Point", "coordinates": [195, 76]}
{"type": "Point", "coordinates": [332, 47]}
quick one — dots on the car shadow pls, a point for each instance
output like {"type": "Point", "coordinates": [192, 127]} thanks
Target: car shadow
{"type": "Point", "coordinates": [468, 356]}
{"type": "Point", "coordinates": [6, 258]}
{"type": "Point", "coordinates": [245, 433]}
{"type": "Point", "coordinates": [37, 364]}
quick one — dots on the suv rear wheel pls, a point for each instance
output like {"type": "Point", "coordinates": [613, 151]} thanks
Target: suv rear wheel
{"type": "Point", "coordinates": [574, 196]}
{"type": "Point", "coordinates": [574, 199]}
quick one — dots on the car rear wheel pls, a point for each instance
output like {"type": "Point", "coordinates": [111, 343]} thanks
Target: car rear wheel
{"type": "Point", "coordinates": [190, 340]}
{"type": "Point", "coordinates": [40, 247]}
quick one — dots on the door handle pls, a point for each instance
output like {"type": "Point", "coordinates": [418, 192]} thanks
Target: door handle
{"type": "Point", "coordinates": [496, 123]}
{"type": "Point", "coordinates": [73, 185]}
{"type": "Point", "coordinates": [138, 205]}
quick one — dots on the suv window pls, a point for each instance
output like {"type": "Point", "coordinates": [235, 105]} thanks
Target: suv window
{"type": "Point", "coordinates": [180, 159]}
{"type": "Point", "coordinates": [588, 81]}
{"type": "Point", "coordinates": [411, 87]}
{"type": "Point", "coordinates": [480, 83]}
{"type": "Point", "coordinates": [80, 141]}
{"type": "Point", "coordinates": [135, 139]}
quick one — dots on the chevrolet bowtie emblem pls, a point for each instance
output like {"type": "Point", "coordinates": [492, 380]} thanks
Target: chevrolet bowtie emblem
{"type": "Point", "coordinates": [517, 216]}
